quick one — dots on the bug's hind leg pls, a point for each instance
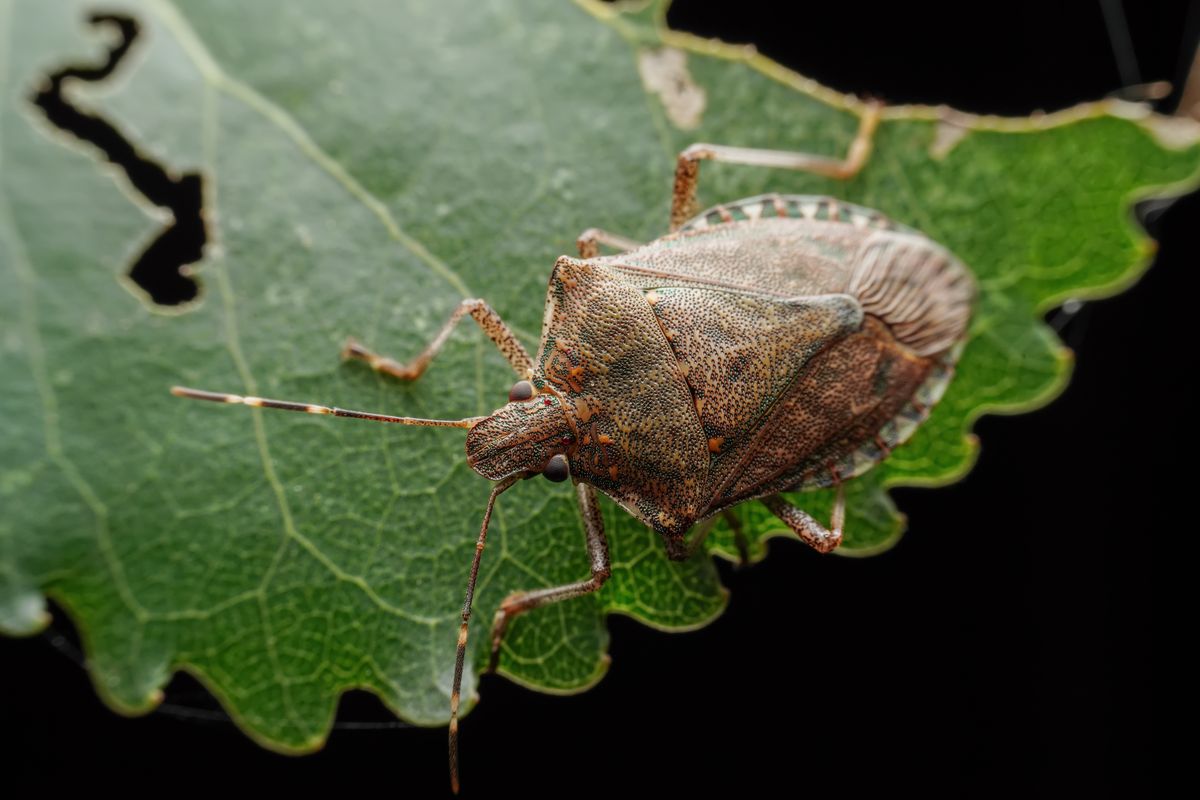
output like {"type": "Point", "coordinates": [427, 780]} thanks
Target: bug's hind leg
{"type": "Point", "coordinates": [811, 532]}
{"type": "Point", "coordinates": [597, 545]}
{"type": "Point", "coordinates": [687, 171]}
{"type": "Point", "coordinates": [682, 549]}
{"type": "Point", "coordinates": [739, 537]}
{"type": "Point", "coordinates": [590, 240]}
{"type": "Point", "coordinates": [495, 328]}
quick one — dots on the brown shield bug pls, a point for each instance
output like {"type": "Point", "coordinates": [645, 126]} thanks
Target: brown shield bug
{"type": "Point", "coordinates": [771, 344]}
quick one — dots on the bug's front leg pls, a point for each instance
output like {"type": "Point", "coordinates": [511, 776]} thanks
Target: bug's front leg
{"type": "Point", "coordinates": [687, 171]}
{"type": "Point", "coordinates": [597, 545]}
{"type": "Point", "coordinates": [811, 532]}
{"type": "Point", "coordinates": [495, 328]}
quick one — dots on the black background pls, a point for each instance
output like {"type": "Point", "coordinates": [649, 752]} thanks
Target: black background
{"type": "Point", "coordinates": [1003, 646]}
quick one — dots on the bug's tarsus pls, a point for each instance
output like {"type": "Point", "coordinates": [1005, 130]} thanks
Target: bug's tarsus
{"type": "Point", "coordinates": [597, 545]}
{"type": "Point", "coordinates": [501, 335]}
{"type": "Point", "coordinates": [354, 350]}
{"type": "Point", "coordinates": [313, 408]}
{"type": "Point", "coordinates": [589, 242]}
{"type": "Point", "coordinates": [461, 654]}
{"type": "Point", "coordinates": [811, 532]}
{"type": "Point", "coordinates": [1144, 92]}
{"type": "Point", "coordinates": [687, 170]}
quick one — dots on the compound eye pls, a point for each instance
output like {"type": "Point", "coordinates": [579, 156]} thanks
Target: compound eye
{"type": "Point", "coordinates": [520, 392]}
{"type": "Point", "coordinates": [557, 469]}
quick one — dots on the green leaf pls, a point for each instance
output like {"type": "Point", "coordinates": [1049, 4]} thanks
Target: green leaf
{"type": "Point", "coordinates": [410, 158]}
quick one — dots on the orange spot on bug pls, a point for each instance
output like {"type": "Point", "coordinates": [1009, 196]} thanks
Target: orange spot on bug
{"type": "Point", "coordinates": [612, 473]}
{"type": "Point", "coordinates": [715, 444]}
{"type": "Point", "coordinates": [574, 376]}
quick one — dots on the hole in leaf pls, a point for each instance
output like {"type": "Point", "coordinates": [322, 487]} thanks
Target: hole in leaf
{"type": "Point", "coordinates": [159, 269]}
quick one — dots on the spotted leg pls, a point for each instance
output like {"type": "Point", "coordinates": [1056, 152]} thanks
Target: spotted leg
{"type": "Point", "coordinates": [590, 240]}
{"type": "Point", "coordinates": [597, 545]}
{"type": "Point", "coordinates": [811, 532]}
{"type": "Point", "coordinates": [495, 328]}
{"type": "Point", "coordinates": [687, 171]}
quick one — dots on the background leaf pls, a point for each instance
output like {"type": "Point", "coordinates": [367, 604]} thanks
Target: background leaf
{"type": "Point", "coordinates": [283, 560]}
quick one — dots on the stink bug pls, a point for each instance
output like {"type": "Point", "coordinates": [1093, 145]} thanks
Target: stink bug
{"type": "Point", "coordinates": [771, 344]}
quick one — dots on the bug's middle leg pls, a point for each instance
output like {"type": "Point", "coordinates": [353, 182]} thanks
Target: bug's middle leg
{"type": "Point", "coordinates": [501, 335]}
{"type": "Point", "coordinates": [597, 545]}
{"type": "Point", "coordinates": [811, 532]}
{"type": "Point", "coordinates": [687, 171]}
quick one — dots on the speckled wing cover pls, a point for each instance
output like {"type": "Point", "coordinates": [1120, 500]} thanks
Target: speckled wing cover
{"type": "Point", "coordinates": [751, 355]}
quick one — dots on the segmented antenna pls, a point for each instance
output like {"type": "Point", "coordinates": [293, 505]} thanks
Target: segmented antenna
{"type": "Point", "coordinates": [461, 655]}
{"type": "Point", "coordinates": [312, 408]}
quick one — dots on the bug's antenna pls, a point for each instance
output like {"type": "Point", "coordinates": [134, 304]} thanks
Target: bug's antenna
{"type": "Point", "coordinates": [311, 408]}
{"type": "Point", "coordinates": [461, 655]}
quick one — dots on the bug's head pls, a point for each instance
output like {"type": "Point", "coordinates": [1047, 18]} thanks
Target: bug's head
{"type": "Point", "coordinates": [530, 434]}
